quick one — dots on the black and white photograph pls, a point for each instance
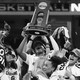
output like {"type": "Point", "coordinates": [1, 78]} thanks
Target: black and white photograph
{"type": "Point", "coordinates": [39, 39]}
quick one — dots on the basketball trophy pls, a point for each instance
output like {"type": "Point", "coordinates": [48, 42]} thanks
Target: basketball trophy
{"type": "Point", "coordinates": [39, 22]}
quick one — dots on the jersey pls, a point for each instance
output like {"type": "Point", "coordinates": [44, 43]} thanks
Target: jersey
{"type": "Point", "coordinates": [4, 49]}
{"type": "Point", "coordinates": [31, 60]}
{"type": "Point", "coordinates": [74, 70]}
{"type": "Point", "coordinates": [2, 57]}
{"type": "Point", "coordinates": [54, 76]}
{"type": "Point", "coordinates": [42, 75]}
{"type": "Point", "coordinates": [12, 74]}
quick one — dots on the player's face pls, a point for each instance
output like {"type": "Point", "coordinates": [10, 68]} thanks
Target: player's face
{"type": "Point", "coordinates": [39, 51]}
{"type": "Point", "coordinates": [47, 67]}
{"type": "Point", "coordinates": [73, 58]}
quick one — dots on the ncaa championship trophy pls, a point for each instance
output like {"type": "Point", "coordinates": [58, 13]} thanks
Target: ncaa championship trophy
{"type": "Point", "coordinates": [39, 22]}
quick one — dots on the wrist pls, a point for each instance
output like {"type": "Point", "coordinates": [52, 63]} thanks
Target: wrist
{"type": "Point", "coordinates": [31, 39]}
{"type": "Point", "coordinates": [47, 43]}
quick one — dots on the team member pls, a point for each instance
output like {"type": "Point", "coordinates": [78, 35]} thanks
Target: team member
{"type": "Point", "coordinates": [25, 56]}
{"type": "Point", "coordinates": [61, 35]}
{"type": "Point", "coordinates": [39, 51]}
{"type": "Point", "coordinates": [44, 38]}
{"type": "Point", "coordinates": [49, 67]}
{"type": "Point", "coordinates": [67, 71]}
{"type": "Point", "coordinates": [8, 60]}
{"type": "Point", "coordinates": [12, 67]}
{"type": "Point", "coordinates": [2, 51]}
{"type": "Point", "coordinates": [71, 69]}
{"type": "Point", "coordinates": [31, 59]}
{"type": "Point", "coordinates": [3, 33]}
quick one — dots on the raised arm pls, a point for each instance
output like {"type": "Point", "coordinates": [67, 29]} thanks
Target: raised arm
{"type": "Point", "coordinates": [54, 43]}
{"type": "Point", "coordinates": [19, 50]}
{"type": "Point", "coordinates": [29, 44]}
{"type": "Point", "coordinates": [47, 44]}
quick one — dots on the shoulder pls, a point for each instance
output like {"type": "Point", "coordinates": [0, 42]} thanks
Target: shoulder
{"type": "Point", "coordinates": [54, 76]}
{"type": "Point", "coordinates": [30, 58]}
{"type": "Point", "coordinates": [77, 65]}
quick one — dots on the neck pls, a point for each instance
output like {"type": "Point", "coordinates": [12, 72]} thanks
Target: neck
{"type": "Point", "coordinates": [49, 74]}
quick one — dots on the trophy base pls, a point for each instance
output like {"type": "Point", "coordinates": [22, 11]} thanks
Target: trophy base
{"type": "Point", "coordinates": [36, 32]}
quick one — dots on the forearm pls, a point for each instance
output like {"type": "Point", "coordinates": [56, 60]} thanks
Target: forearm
{"type": "Point", "coordinates": [47, 48]}
{"type": "Point", "coordinates": [54, 43]}
{"type": "Point", "coordinates": [19, 50]}
{"type": "Point", "coordinates": [25, 48]}
{"type": "Point", "coordinates": [22, 55]}
{"type": "Point", "coordinates": [63, 52]}
{"type": "Point", "coordinates": [21, 46]}
{"type": "Point", "coordinates": [29, 44]}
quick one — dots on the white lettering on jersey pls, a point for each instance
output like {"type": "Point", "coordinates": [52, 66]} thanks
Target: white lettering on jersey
{"type": "Point", "coordinates": [13, 74]}
{"type": "Point", "coordinates": [2, 52]}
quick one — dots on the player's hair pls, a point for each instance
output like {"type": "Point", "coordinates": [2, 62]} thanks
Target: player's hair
{"type": "Point", "coordinates": [55, 60]}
